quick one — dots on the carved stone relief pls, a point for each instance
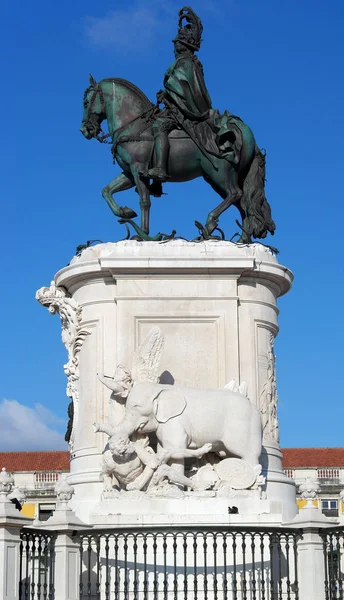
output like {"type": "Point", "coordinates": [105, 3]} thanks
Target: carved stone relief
{"type": "Point", "coordinates": [188, 424]}
{"type": "Point", "coordinates": [269, 396]}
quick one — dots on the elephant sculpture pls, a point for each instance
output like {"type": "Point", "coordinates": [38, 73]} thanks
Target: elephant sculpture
{"type": "Point", "coordinates": [184, 417]}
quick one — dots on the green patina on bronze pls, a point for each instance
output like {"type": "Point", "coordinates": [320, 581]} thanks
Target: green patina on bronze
{"type": "Point", "coordinates": [182, 140]}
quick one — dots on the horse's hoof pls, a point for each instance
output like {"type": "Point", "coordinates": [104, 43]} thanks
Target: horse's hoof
{"type": "Point", "coordinates": [127, 213]}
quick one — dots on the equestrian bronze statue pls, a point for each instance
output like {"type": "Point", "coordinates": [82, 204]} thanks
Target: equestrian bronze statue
{"type": "Point", "coordinates": [179, 138]}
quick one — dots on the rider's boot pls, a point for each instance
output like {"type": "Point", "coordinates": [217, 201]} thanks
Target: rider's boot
{"type": "Point", "coordinates": [162, 146]}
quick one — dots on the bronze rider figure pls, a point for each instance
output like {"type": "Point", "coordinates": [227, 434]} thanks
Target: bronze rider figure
{"type": "Point", "coordinates": [185, 95]}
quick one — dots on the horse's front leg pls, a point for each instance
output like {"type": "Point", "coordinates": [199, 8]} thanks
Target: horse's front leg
{"type": "Point", "coordinates": [119, 184]}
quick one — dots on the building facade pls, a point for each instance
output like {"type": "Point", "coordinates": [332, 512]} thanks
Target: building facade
{"type": "Point", "coordinates": [325, 466]}
{"type": "Point", "coordinates": [35, 475]}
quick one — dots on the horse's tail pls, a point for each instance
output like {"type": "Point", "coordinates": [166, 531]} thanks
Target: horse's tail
{"type": "Point", "coordinates": [258, 220]}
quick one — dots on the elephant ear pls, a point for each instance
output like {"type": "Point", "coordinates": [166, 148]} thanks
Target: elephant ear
{"type": "Point", "coordinates": [168, 404]}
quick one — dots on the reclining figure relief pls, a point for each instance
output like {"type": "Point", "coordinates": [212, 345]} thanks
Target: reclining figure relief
{"type": "Point", "coordinates": [133, 465]}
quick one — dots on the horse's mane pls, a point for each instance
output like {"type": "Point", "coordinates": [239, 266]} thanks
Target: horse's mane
{"type": "Point", "coordinates": [131, 87]}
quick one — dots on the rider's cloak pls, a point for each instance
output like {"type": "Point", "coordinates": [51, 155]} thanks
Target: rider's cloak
{"type": "Point", "coordinates": [185, 85]}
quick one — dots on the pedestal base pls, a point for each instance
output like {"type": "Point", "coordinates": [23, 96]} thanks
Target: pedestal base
{"type": "Point", "coordinates": [215, 303]}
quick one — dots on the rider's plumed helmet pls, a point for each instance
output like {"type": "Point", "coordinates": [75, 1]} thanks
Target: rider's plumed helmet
{"type": "Point", "coordinates": [190, 33]}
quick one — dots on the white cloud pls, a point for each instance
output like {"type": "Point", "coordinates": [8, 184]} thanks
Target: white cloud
{"type": "Point", "coordinates": [135, 26]}
{"type": "Point", "coordinates": [140, 24]}
{"type": "Point", "coordinates": [24, 428]}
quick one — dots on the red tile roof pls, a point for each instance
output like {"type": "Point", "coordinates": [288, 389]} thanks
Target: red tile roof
{"type": "Point", "coordinates": [34, 461]}
{"type": "Point", "coordinates": [59, 461]}
{"type": "Point", "coordinates": [313, 457]}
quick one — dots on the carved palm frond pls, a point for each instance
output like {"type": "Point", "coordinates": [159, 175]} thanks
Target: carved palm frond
{"type": "Point", "coordinates": [147, 357]}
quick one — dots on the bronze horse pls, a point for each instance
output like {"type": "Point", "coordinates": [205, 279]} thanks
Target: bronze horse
{"type": "Point", "coordinates": [129, 116]}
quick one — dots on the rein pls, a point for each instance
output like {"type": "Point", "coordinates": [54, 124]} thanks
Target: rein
{"type": "Point", "coordinates": [103, 137]}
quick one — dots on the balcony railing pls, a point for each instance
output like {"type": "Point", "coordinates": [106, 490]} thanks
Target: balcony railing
{"type": "Point", "coordinates": [330, 512]}
{"type": "Point", "coordinates": [47, 491]}
{"type": "Point", "coordinates": [44, 485]}
{"type": "Point", "coordinates": [328, 474]}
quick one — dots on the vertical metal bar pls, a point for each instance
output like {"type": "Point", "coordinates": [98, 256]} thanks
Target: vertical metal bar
{"type": "Point", "coordinates": [97, 541]}
{"type": "Point", "coordinates": [205, 573]}
{"type": "Point", "coordinates": [155, 575]}
{"type": "Point", "coordinates": [271, 549]}
{"type": "Point", "coordinates": [215, 582]}
{"type": "Point", "coordinates": [33, 556]}
{"type": "Point", "coordinates": [288, 566]}
{"type": "Point", "coordinates": [331, 569]}
{"type": "Point", "coordinates": [175, 577]}
{"type": "Point", "coordinates": [225, 580]}
{"type": "Point", "coordinates": [51, 544]}
{"type": "Point", "coordinates": [107, 568]}
{"type": "Point", "coordinates": [279, 555]}
{"type": "Point", "coordinates": [262, 567]}
{"type": "Point", "coordinates": [116, 568]}
{"type": "Point", "coordinates": [39, 583]}
{"type": "Point", "coordinates": [27, 556]}
{"type": "Point", "coordinates": [145, 578]}
{"type": "Point", "coordinates": [135, 583]}
{"type": "Point", "coordinates": [164, 551]}
{"type": "Point", "coordinates": [296, 580]}
{"type": "Point", "coordinates": [339, 560]}
{"type": "Point", "coordinates": [195, 578]}
{"type": "Point", "coordinates": [81, 553]}
{"type": "Point", "coordinates": [46, 569]}
{"type": "Point", "coordinates": [253, 562]}
{"type": "Point", "coordinates": [185, 555]}
{"type": "Point", "coordinates": [21, 550]}
{"type": "Point", "coordinates": [126, 578]}
{"type": "Point", "coordinates": [89, 568]}
{"type": "Point", "coordinates": [235, 581]}
{"type": "Point", "coordinates": [244, 580]}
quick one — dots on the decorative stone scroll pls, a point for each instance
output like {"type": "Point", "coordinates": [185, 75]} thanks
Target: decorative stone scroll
{"type": "Point", "coordinates": [269, 396]}
{"type": "Point", "coordinates": [57, 300]}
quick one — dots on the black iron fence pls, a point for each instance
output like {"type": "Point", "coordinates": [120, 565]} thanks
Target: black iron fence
{"type": "Point", "coordinates": [37, 551]}
{"type": "Point", "coordinates": [184, 563]}
{"type": "Point", "coordinates": [333, 545]}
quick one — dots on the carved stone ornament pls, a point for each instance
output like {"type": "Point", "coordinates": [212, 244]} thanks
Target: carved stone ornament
{"type": "Point", "coordinates": [238, 473]}
{"type": "Point", "coordinates": [64, 491]}
{"type": "Point", "coordinates": [269, 396]}
{"type": "Point", "coordinates": [309, 489]}
{"type": "Point", "coordinates": [57, 300]}
{"type": "Point", "coordinates": [6, 485]}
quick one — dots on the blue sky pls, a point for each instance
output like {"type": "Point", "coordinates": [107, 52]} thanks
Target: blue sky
{"type": "Point", "coordinates": [278, 65]}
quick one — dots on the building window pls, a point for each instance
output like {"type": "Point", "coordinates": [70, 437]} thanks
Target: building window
{"type": "Point", "coordinates": [289, 473]}
{"type": "Point", "coordinates": [329, 507]}
{"type": "Point", "coordinates": [45, 511]}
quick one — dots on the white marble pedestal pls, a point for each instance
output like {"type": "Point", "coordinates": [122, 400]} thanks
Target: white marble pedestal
{"type": "Point", "coordinates": [216, 305]}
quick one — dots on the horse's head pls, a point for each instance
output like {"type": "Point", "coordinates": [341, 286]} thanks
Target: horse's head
{"type": "Point", "coordinates": [94, 110]}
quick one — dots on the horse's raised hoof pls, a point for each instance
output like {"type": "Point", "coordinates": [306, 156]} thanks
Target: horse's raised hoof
{"type": "Point", "coordinates": [126, 213]}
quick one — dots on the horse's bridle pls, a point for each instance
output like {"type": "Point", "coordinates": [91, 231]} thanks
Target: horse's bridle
{"type": "Point", "coordinates": [92, 120]}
